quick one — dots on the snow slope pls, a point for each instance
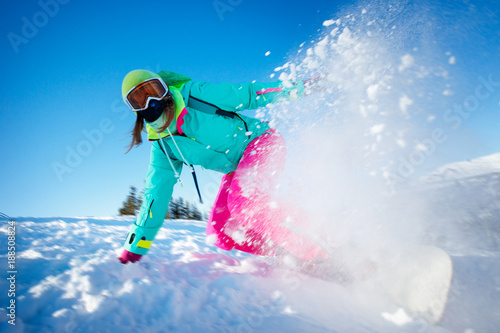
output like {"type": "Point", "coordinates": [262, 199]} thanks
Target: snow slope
{"type": "Point", "coordinates": [462, 207]}
{"type": "Point", "coordinates": [463, 203]}
{"type": "Point", "coordinates": [69, 279]}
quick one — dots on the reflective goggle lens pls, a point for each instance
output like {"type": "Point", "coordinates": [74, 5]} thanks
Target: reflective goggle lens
{"type": "Point", "coordinates": [139, 95]}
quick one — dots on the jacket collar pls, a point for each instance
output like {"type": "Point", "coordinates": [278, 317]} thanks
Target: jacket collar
{"type": "Point", "coordinates": [179, 107]}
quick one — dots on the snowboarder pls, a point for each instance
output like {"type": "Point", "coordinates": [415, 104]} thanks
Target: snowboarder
{"type": "Point", "coordinates": [196, 123]}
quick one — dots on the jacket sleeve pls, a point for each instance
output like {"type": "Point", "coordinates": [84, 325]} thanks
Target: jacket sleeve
{"type": "Point", "coordinates": [160, 183]}
{"type": "Point", "coordinates": [239, 97]}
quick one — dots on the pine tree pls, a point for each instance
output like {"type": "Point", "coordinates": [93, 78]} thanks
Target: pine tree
{"type": "Point", "coordinates": [139, 199]}
{"type": "Point", "coordinates": [168, 216]}
{"type": "Point", "coordinates": [183, 210]}
{"type": "Point", "coordinates": [174, 209]}
{"type": "Point", "coordinates": [189, 212]}
{"type": "Point", "coordinates": [196, 214]}
{"type": "Point", "coordinates": [131, 205]}
{"type": "Point", "coordinates": [170, 210]}
{"type": "Point", "coordinates": [178, 208]}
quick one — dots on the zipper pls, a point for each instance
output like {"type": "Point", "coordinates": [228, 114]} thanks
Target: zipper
{"type": "Point", "coordinates": [149, 214]}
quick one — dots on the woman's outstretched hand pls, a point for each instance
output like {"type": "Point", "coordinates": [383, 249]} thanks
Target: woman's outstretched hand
{"type": "Point", "coordinates": [129, 256]}
{"type": "Point", "coordinates": [316, 84]}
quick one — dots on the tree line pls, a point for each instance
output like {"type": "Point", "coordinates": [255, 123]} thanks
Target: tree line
{"type": "Point", "coordinates": [178, 208]}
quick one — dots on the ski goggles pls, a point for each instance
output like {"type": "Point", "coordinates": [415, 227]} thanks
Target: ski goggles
{"type": "Point", "coordinates": [138, 97]}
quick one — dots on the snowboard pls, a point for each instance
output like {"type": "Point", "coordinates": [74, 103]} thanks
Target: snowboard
{"type": "Point", "coordinates": [414, 278]}
{"type": "Point", "coordinates": [418, 279]}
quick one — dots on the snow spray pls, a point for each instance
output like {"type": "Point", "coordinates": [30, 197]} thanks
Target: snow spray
{"type": "Point", "coordinates": [374, 125]}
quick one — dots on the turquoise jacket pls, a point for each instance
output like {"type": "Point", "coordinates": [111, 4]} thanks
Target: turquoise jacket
{"type": "Point", "coordinates": [212, 141]}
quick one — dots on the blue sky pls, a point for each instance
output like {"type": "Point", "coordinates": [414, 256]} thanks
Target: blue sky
{"type": "Point", "coordinates": [63, 79]}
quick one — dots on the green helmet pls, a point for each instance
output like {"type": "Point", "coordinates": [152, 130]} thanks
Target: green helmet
{"type": "Point", "coordinates": [135, 77]}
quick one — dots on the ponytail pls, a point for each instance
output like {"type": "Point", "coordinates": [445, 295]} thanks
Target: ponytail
{"type": "Point", "coordinates": [137, 132]}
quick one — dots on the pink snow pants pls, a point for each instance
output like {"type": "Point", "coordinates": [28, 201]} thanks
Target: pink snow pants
{"type": "Point", "coordinates": [245, 217]}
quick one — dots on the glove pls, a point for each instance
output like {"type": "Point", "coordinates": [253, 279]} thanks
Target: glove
{"type": "Point", "coordinates": [316, 84]}
{"type": "Point", "coordinates": [129, 256]}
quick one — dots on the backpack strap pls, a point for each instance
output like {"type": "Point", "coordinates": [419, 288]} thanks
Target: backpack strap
{"type": "Point", "coordinates": [206, 107]}
{"type": "Point", "coordinates": [209, 108]}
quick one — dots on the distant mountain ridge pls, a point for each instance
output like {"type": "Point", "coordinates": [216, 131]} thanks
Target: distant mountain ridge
{"type": "Point", "coordinates": [462, 200]}
{"type": "Point", "coordinates": [480, 168]}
